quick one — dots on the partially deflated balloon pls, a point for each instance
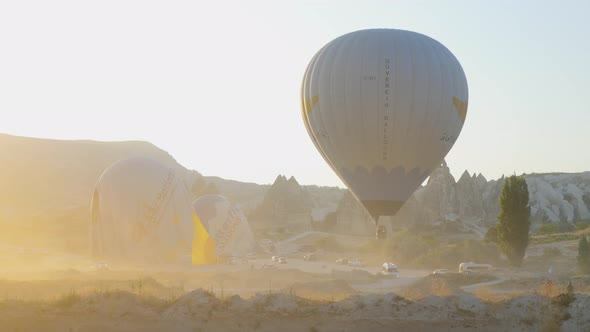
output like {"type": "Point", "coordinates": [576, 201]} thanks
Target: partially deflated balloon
{"type": "Point", "coordinates": [226, 224]}
{"type": "Point", "coordinates": [384, 107]}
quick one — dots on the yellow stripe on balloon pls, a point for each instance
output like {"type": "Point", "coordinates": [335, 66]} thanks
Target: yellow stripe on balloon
{"type": "Point", "coordinates": [203, 251]}
{"type": "Point", "coordinates": [461, 107]}
{"type": "Point", "coordinates": [310, 103]}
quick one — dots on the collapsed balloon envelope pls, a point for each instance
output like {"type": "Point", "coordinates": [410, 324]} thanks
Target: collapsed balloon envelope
{"type": "Point", "coordinates": [141, 212]}
{"type": "Point", "coordinates": [226, 224]}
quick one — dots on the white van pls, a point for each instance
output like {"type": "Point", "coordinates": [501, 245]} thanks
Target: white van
{"type": "Point", "coordinates": [472, 267]}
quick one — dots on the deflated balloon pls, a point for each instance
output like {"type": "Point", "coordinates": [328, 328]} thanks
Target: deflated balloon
{"type": "Point", "coordinates": [384, 107]}
{"type": "Point", "coordinates": [141, 212]}
{"type": "Point", "coordinates": [226, 224]}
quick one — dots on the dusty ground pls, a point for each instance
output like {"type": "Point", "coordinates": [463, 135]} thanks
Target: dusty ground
{"type": "Point", "coordinates": [48, 292]}
{"type": "Point", "coordinates": [85, 303]}
{"type": "Point", "coordinates": [202, 311]}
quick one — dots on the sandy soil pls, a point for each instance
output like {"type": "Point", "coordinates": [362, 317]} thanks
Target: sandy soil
{"type": "Point", "coordinates": [297, 296]}
{"type": "Point", "coordinates": [201, 311]}
{"type": "Point", "coordinates": [114, 303]}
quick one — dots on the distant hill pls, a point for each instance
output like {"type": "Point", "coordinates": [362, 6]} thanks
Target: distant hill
{"type": "Point", "coordinates": [38, 173]}
{"type": "Point", "coordinates": [244, 194]}
{"type": "Point", "coordinates": [46, 185]}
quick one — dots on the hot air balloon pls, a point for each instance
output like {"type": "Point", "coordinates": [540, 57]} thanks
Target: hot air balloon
{"type": "Point", "coordinates": [141, 212]}
{"type": "Point", "coordinates": [384, 107]}
{"type": "Point", "coordinates": [226, 224]}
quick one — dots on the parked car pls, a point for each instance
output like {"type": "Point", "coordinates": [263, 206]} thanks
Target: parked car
{"type": "Point", "coordinates": [275, 259]}
{"type": "Point", "coordinates": [440, 271]}
{"type": "Point", "coordinates": [472, 267]}
{"type": "Point", "coordinates": [356, 262]}
{"type": "Point", "coordinates": [265, 242]}
{"type": "Point", "coordinates": [342, 261]}
{"type": "Point", "coordinates": [102, 266]}
{"type": "Point", "coordinates": [389, 269]}
{"type": "Point", "coordinates": [282, 260]}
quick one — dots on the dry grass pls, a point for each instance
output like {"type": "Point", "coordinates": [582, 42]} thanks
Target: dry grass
{"type": "Point", "coordinates": [66, 290]}
{"type": "Point", "coordinates": [549, 289]}
{"type": "Point", "coordinates": [488, 295]}
{"type": "Point", "coordinates": [221, 314]}
{"type": "Point", "coordinates": [427, 287]}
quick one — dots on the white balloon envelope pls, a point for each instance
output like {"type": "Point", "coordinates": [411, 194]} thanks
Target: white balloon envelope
{"type": "Point", "coordinates": [141, 212]}
{"type": "Point", "coordinates": [227, 225]}
{"type": "Point", "coordinates": [384, 107]}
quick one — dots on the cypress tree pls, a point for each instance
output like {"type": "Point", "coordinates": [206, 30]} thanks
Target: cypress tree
{"type": "Point", "coordinates": [514, 219]}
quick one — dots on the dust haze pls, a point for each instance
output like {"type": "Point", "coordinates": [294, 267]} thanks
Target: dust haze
{"type": "Point", "coordinates": [310, 271]}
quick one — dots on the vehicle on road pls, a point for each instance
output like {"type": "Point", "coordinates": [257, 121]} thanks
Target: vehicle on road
{"type": "Point", "coordinates": [282, 260]}
{"type": "Point", "coordinates": [389, 269]}
{"type": "Point", "coordinates": [440, 271]}
{"type": "Point", "coordinates": [356, 262]}
{"type": "Point", "coordinates": [472, 267]}
{"type": "Point", "coordinates": [275, 259]}
{"type": "Point", "coordinates": [234, 260]}
{"type": "Point", "coordinates": [102, 266]}
{"type": "Point", "coordinates": [342, 261]}
{"type": "Point", "coordinates": [265, 242]}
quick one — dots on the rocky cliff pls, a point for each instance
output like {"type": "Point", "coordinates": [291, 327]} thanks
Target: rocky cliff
{"type": "Point", "coordinates": [46, 185]}
{"type": "Point", "coordinates": [286, 204]}
{"type": "Point", "coordinates": [473, 200]}
{"type": "Point", "coordinates": [559, 197]}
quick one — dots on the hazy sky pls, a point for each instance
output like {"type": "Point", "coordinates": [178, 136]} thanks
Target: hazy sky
{"type": "Point", "coordinates": [216, 83]}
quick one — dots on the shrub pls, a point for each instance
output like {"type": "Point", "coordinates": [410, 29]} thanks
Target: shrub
{"type": "Point", "coordinates": [68, 300]}
{"type": "Point", "coordinates": [451, 255]}
{"type": "Point", "coordinates": [564, 300]}
{"type": "Point", "coordinates": [549, 289]}
{"type": "Point", "coordinates": [328, 244]}
{"type": "Point", "coordinates": [582, 224]}
{"type": "Point", "coordinates": [547, 228]}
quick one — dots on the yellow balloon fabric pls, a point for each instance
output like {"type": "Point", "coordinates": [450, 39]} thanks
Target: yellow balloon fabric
{"type": "Point", "coordinates": [203, 245]}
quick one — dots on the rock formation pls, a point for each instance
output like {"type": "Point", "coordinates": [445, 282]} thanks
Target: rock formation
{"type": "Point", "coordinates": [285, 205]}
{"type": "Point", "coordinates": [473, 200]}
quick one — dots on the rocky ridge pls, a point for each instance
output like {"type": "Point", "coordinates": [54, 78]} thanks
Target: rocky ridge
{"type": "Point", "coordinates": [553, 198]}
